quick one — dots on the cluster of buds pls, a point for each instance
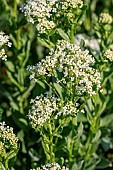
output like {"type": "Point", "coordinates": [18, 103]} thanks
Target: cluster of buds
{"type": "Point", "coordinates": [7, 138]}
{"type": "Point", "coordinates": [4, 41]}
{"type": "Point", "coordinates": [105, 18]}
{"type": "Point", "coordinates": [108, 55]}
{"type": "Point", "coordinates": [69, 64]}
{"type": "Point", "coordinates": [48, 15]}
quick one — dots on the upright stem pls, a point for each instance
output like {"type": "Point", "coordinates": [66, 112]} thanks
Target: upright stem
{"type": "Point", "coordinates": [72, 36]}
{"type": "Point", "coordinates": [51, 143]}
{"type": "Point", "coordinates": [18, 38]}
{"type": "Point", "coordinates": [71, 144]}
{"type": "Point", "coordinates": [15, 10]}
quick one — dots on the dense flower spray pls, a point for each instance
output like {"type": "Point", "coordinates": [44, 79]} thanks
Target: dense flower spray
{"type": "Point", "coordinates": [74, 66]}
{"type": "Point", "coordinates": [49, 15]}
{"type": "Point", "coordinates": [47, 107]}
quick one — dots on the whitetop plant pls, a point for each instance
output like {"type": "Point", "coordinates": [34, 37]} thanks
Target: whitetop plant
{"type": "Point", "coordinates": [4, 41]}
{"type": "Point", "coordinates": [105, 18]}
{"type": "Point", "coordinates": [48, 15]}
{"type": "Point", "coordinates": [74, 66]}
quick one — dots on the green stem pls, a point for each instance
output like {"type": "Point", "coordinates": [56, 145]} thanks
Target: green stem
{"type": "Point", "coordinates": [72, 36]}
{"type": "Point", "coordinates": [51, 143]}
{"type": "Point", "coordinates": [18, 39]}
{"type": "Point", "coordinates": [6, 164]}
{"type": "Point", "coordinates": [51, 88]}
{"type": "Point", "coordinates": [15, 10]}
{"type": "Point", "coordinates": [71, 145]}
{"type": "Point", "coordinates": [62, 122]}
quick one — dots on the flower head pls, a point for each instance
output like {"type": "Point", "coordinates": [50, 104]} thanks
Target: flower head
{"type": "Point", "coordinates": [69, 64]}
{"type": "Point", "coordinates": [48, 14]}
{"type": "Point", "coordinates": [45, 107]}
{"type": "Point", "coordinates": [4, 41]}
{"type": "Point", "coordinates": [108, 55]}
{"type": "Point", "coordinates": [7, 138]}
{"type": "Point", "coordinates": [105, 18]}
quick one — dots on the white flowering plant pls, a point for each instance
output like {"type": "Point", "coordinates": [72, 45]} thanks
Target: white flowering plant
{"type": "Point", "coordinates": [56, 84]}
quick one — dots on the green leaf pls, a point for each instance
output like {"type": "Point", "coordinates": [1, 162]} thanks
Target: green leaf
{"type": "Point", "coordinates": [10, 66]}
{"type": "Point", "coordinates": [41, 84]}
{"type": "Point", "coordinates": [34, 155]}
{"type": "Point", "coordinates": [17, 117]}
{"type": "Point", "coordinates": [81, 117]}
{"type": "Point", "coordinates": [63, 34]}
{"type": "Point", "coordinates": [13, 40]}
{"type": "Point", "coordinates": [23, 121]}
{"type": "Point", "coordinates": [80, 130]}
{"type": "Point", "coordinates": [106, 143]}
{"type": "Point", "coordinates": [27, 53]}
{"type": "Point", "coordinates": [2, 166]}
{"type": "Point", "coordinates": [14, 81]}
{"type": "Point", "coordinates": [11, 154]}
{"type": "Point", "coordinates": [81, 16]}
{"type": "Point", "coordinates": [59, 89]}
{"type": "Point", "coordinates": [103, 164]}
{"type": "Point", "coordinates": [1, 112]}
{"type": "Point", "coordinates": [97, 136]}
{"type": "Point", "coordinates": [106, 120]}
{"type": "Point", "coordinates": [12, 102]}
{"type": "Point", "coordinates": [43, 42]}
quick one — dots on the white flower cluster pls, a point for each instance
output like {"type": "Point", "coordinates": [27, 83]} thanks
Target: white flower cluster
{"type": "Point", "coordinates": [42, 109]}
{"type": "Point", "coordinates": [47, 14]}
{"type": "Point", "coordinates": [68, 8]}
{"type": "Point", "coordinates": [108, 55]}
{"type": "Point", "coordinates": [73, 4]}
{"type": "Point", "coordinates": [45, 108]}
{"type": "Point", "coordinates": [41, 13]}
{"type": "Point", "coordinates": [74, 66]}
{"type": "Point", "coordinates": [4, 40]}
{"type": "Point", "coordinates": [105, 18]}
{"type": "Point", "coordinates": [68, 109]}
{"type": "Point", "coordinates": [7, 137]}
{"type": "Point", "coordinates": [52, 166]}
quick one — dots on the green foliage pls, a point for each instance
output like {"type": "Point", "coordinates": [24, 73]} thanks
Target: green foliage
{"type": "Point", "coordinates": [82, 140]}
